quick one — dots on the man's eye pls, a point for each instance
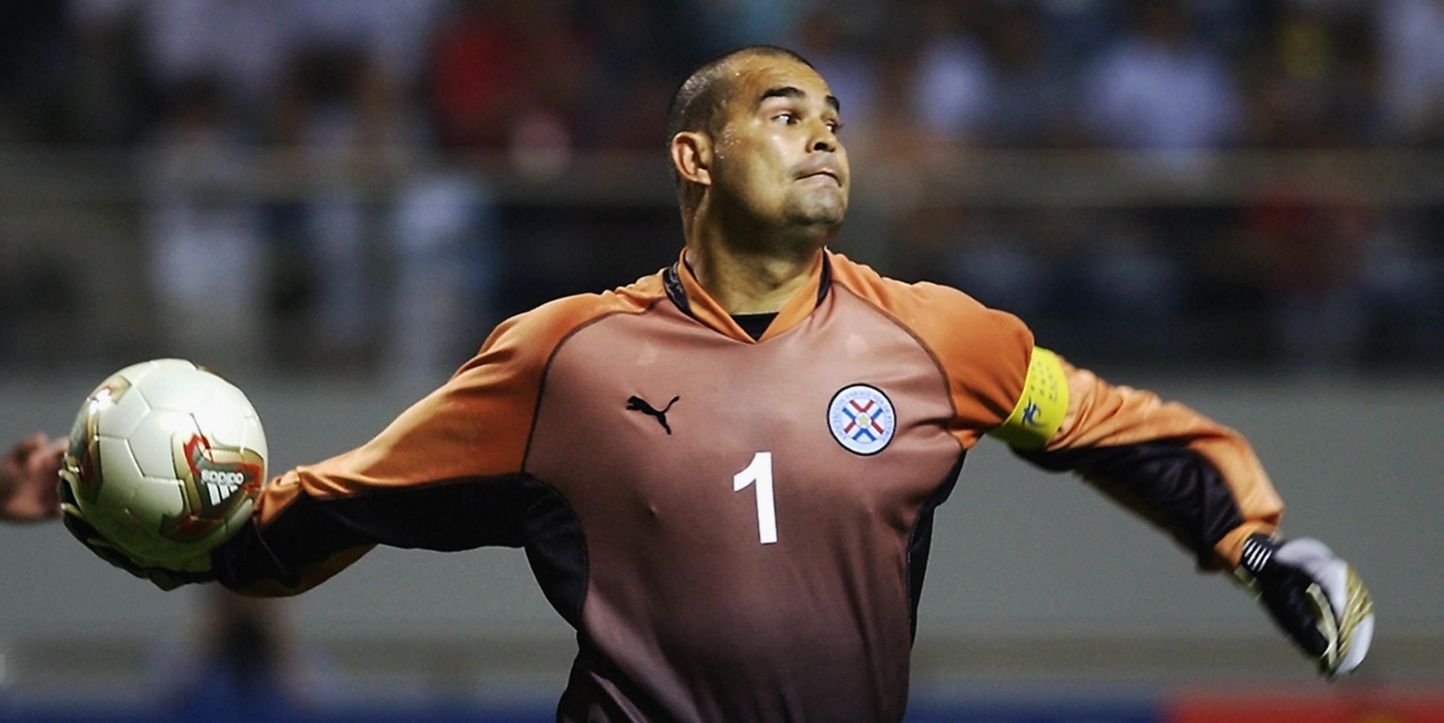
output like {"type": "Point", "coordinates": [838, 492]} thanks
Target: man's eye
{"type": "Point", "coordinates": [834, 125]}
{"type": "Point", "coordinates": [786, 117]}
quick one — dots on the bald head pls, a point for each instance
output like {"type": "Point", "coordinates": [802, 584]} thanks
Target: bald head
{"type": "Point", "coordinates": [697, 104]}
{"type": "Point", "coordinates": [755, 150]}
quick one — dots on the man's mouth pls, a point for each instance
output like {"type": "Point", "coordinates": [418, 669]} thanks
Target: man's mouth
{"type": "Point", "coordinates": [822, 174]}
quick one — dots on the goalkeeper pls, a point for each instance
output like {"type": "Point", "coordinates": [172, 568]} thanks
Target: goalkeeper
{"type": "Point", "coordinates": [724, 475]}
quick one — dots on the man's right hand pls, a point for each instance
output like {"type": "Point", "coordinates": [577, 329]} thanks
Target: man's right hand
{"type": "Point", "coordinates": [162, 577]}
{"type": "Point", "coordinates": [27, 479]}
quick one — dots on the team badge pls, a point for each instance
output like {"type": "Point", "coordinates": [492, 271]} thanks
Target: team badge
{"type": "Point", "coordinates": [861, 419]}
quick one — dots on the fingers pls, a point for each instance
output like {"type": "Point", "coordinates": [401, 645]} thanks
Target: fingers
{"type": "Point", "coordinates": [1353, 624]}
{"type": "Point", "coordinates": [17, 455]}
{"type": "Point", "coordinates": [33, 442]}
{"type": "Point", "coordinates": [1286, 595]}
{"type": "Point", "coordinates": [26, 448]}
{"type": "Point", "coordinates": [1338, 602]}
{"type": "Point", "coordinates": [162, 577]}
{"type": "Point", "coordinates": [1316, 598]}
{"type": "Point", "coordinates": [42, 472]}
{"type": "Point", "coordinates": [27, 479]}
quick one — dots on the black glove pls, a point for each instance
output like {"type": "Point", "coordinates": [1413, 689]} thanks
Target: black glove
{"type": "Point", "coordinates": [1314, 596]}
{"type": "Point", "coordinates": [161, 577]}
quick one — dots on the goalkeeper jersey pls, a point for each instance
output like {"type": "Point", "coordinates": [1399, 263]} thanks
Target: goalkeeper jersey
{"type": "Point", "coordinates": [738, 528]}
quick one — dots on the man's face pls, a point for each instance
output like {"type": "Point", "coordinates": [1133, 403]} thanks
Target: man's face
{"type": "Point", "coordinates": [777, 154]}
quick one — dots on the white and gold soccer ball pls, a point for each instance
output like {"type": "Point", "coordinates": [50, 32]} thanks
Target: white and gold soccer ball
{"type": "Point", "coordinates": [166, 460]}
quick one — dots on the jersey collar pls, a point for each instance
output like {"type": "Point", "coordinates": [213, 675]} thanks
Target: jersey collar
{"type": "Point", "coordinates": [687, 294]}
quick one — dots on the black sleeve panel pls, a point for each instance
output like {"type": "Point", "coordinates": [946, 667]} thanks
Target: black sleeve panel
{"type": "Point", "coordinates": [556, 550]}
{"type": "Point", "coordinates": [921, 541]}
{"type": "Point", "coordinates": [1164, 481]}
{"type": "Point", "coordinates": [455, 515]}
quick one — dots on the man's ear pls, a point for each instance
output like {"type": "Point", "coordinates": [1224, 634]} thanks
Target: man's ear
{"type": "Point", "coordinates": [692, 157]}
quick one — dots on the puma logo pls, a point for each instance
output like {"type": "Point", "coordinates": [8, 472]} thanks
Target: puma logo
{"type": "Point", "coordinates": [638, 404]}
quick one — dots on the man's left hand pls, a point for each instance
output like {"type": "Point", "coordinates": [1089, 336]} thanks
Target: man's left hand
{"type": "Point", "coordinates": [28, 474]}
{"type": "Point", "coordinates": [1314, 596]}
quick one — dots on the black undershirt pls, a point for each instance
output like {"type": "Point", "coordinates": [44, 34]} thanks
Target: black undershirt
{"type": "Point", "coordinates": [755, 324]}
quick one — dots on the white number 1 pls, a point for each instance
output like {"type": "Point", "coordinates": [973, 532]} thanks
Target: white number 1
{"type": "Point", "coordinates": [760, 471]}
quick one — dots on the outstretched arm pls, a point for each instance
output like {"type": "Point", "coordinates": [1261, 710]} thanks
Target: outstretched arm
{"type": "Point", "coordinates": [28, 474]}
{"type": "Point", "coordinates": [1197, 479]}
{"type": "Point", "coordinates": [1201, 482]}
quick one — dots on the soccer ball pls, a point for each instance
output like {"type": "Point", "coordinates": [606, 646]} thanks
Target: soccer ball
{"type": "Point", "coordinates": [166, 460]}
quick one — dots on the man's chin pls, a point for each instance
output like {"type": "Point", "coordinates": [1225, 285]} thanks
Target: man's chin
{"type": "Point", "coordinates": [823, 215]}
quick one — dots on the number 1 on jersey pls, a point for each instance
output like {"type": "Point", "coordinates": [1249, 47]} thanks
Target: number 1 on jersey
{"type": "Point", "coordinates": [760, 471]}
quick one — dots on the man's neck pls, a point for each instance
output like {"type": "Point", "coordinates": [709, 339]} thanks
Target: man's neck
{"type": "Point", "coordinates": [750, 269]}
{"type": "Point", "coordinates": [750, 282]}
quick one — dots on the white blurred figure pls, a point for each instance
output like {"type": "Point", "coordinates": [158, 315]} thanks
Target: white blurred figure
{"type": "Point", "coordinates": [395, 36]}
{"type": "Point", "coordinates": [446, 260]}
{"type": "Point", "coordinates": [1412, 48]}
{"type": "Point", "coordinates": [353, 64]}
{"type": "Point", "coordinates": [341, 122]}
{"type": "Point", "coordinates": [244, 45]}
{"type": "Point", "coordinates": [1161, 89]}
{"type": "Point", "coordinates": [1029, 100]}
{"type": "Point", "coordinates": [206, 266]}
{"type": "Point", "coordinates": [953, 87]}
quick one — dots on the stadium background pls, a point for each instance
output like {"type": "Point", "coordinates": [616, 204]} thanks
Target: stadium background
{"type": "Point", "coordinates": [1234, 202]}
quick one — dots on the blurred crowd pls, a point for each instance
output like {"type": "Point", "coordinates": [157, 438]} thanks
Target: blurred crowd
{"type": "Point", "coordinates": [409, 272]}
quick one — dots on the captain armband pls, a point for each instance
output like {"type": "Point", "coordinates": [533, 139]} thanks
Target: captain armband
{"type": "Point", "coordinates": [1042, 406]}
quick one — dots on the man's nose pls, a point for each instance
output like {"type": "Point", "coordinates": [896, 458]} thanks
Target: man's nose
{"type": "Point", "coordinates": [822, 138]}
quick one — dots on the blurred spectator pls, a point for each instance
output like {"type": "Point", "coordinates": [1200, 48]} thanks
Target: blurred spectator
{"type": "Point", "coordinates": [447, 262]}
{"type": "Point", "coordinates": [642, 53]}
{"type": "Point", "coordinates": [242, 46]}
{"type": "Point", "coordinates": [1005, 265]}
{"type": "Point", "coordinates": [393, 36]}
{"type": "Point", "coordinates": [205, 237]}
{"type": "Point", "coordinates": [341, 121]}
{"type": "Point", "coordinates": [1078, 30]}
{"type": "Point", "coordinates": [240, 662]}
{"type": "Point", "coordinates": [1310, 257]}
{"type": "Point", "coordinates": [1162, 89]}
{"type": "Point", "coordinates": [1404, 283]}
{"type": "Point", "coordinates": [735, 23]}
{"type": "Point", "coordinates": [1310, 83]}
{"type": "Point", "coordinates": [952, 88]}
{"type": "Point", "coordinates": [107, 89]}
{"type": "Point", "coordinates": [355, 222]}
{"type": "Point", "coordinates": [477, 75]}
{"type": "Point", "coordinates": [1410, 33]}
{"type": "Point", "coordinates": [513, 75]}
{"type": "Point", "coordinates": [33, 59]}
{"type": "Point", "coordinates": [841, 48]}
{"type": "Point", "coordinates": [1028, 94]}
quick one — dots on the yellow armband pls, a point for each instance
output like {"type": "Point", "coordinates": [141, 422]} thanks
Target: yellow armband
{"type": "Point", "coordinates": [1040, 409]}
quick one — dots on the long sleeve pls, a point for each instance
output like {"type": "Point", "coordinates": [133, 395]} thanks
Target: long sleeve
{"type": "Point", "coordinates": [447, 474]}
{"type": "Point", "coordinates": [1191, 476]}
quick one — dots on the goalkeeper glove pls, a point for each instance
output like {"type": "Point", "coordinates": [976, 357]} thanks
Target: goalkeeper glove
{"type": "Point", "coordinates": [1314, 596]}
{"type": "Point", "coordinates": [198, 570]}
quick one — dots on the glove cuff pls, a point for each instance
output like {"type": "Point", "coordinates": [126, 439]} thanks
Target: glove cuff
{"type": "Point", "coordinates": [1257, 551]}
{"type": "Point", "coordinates": [1254, 557]}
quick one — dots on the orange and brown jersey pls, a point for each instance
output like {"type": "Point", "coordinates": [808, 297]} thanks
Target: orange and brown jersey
{"type": "Point", "coordinates": [737, 528]}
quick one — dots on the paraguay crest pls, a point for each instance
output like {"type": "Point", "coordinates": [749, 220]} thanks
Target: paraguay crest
{"type": "Point", "coordinates": [861, 419]}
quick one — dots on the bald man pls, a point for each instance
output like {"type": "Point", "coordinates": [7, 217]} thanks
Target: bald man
{"type": "Point", "coordinates": [724, 474]}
